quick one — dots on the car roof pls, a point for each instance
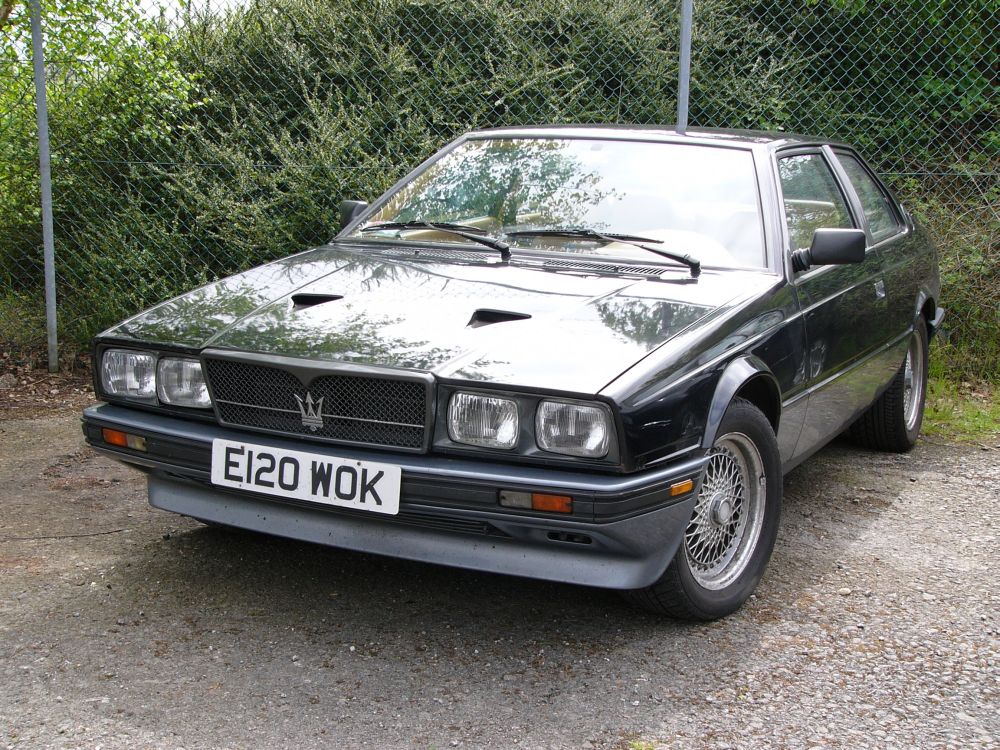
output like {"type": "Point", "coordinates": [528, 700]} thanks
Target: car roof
{"type": "Point", "coordinates": [770, 140]}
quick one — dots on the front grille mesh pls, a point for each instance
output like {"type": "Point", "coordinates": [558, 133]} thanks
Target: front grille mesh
{"type": "Point", "coordinates": [356, 408]}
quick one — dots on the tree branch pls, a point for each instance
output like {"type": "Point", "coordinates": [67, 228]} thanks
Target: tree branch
{"type": "Point", "coordinates": [6, 6]}
{"type": "Point", "coordinates": [59, 536]}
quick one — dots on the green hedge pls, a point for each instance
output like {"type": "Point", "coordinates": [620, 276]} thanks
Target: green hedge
{"type": "Point", "coordinates": [194, 151]}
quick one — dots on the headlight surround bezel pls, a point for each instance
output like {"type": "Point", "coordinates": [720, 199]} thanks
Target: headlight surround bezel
{"type": "Point", "coordinates": [527, 449]}
{"type": "Point", "coordinates": [154, 404]}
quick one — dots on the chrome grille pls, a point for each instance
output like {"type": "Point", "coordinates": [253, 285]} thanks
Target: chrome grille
{"type": "Point", "coordinates": [362, 409]}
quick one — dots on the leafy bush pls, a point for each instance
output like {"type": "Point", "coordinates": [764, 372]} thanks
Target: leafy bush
{"type": "Point", "coordinates": [187, 151]}
{"type": "Point", "coordinates": [966, 235]}
{"type": "Point", "coordinates": [115, 97]}
{"type": "Point", "coordinates": [242, 133]}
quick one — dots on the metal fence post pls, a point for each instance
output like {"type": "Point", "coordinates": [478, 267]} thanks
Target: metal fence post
{"type": "Point", "coordinates": [684, 68]}
{"type": "Point", "coordinates": [45, 174]}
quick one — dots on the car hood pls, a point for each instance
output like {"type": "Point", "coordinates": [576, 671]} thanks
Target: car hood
{"type": "Point", "coordinates": [570, 329]}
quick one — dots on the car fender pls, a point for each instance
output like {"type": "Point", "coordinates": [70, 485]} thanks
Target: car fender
{"type": "Point", "coordinates": [924, 296]}
{"type": "Point", "coordinates": [736, 374]}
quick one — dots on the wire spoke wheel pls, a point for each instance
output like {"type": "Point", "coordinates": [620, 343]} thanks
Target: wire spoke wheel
{"type": "Point", "coordinates": [892, 422]}
{"type": "Point", "coordinates": [722, 535]}
{"type": "Point", "coordinates": [720, 551]}
{"type": "Point", "coordinates": [914, 374]}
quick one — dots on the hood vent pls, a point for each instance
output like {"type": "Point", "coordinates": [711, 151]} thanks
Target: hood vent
{"type": "Point", "coordinates": [302, 301]}
{"type": "Point", "coordinates": [485, 317]}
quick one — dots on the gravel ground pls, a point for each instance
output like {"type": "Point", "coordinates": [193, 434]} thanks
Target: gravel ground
{"type": "Point", "coordinates": [121, 626]}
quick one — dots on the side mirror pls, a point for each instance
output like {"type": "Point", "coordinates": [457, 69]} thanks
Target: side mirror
{"type": "Point", "coordinates": [349, 211]}
{"type": "Point", "coordinates": [831, 247]}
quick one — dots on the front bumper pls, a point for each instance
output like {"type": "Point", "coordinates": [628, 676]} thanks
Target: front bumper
{"type": "Point", "coordinates": [622, 534]}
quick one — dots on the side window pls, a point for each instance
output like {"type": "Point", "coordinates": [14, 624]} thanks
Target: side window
{"type": "Point", "coordinates": [812, 198]}
{"type": "Point", "coordinates": [874, 202]}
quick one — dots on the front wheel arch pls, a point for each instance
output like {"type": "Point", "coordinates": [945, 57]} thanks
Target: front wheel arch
{"type": "Point", "coordinates": [747, 378]}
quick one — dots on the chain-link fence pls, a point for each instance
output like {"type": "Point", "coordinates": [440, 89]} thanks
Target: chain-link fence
{"type": "Point", "coordinates": [193, 139]}
{"type": "Point", "coordinates": [20, 214]}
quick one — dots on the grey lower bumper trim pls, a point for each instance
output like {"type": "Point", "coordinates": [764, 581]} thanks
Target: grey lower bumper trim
{"type": "Point", "coordinates": [626, 554]}
{"type": "Point", "coordinates": [426, 465]}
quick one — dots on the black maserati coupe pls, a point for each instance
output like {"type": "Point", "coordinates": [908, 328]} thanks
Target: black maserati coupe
{"type": "Point", "coordinates": [581, 354]}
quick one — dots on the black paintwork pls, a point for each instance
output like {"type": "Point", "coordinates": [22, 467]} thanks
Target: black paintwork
{"type": "Point", "coordinates": [666, 351]}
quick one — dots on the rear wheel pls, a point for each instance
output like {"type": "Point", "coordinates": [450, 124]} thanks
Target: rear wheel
{"type": "Point", "coordinates": [732, 530]}
{"type": "Point", "coordinates": [893, 422]}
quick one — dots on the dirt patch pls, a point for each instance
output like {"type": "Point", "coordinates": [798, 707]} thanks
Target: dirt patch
{"type": "Point", "coordinates": [875, 626]}
{"type": "Point", "coordinates": [27, 391]}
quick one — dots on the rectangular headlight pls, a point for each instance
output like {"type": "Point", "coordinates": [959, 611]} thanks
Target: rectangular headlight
{"type": "Point", "coordinates": [180, 382]}
{"type": "Point", "coordinates": [487, 421]}
{"type": "Point", "coordinates": [573, 429]}
{"type": "Point", "coordinates": [129, 374]}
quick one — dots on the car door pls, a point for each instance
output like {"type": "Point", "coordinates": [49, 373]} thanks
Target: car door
{"type": "Point", "coordinates": [843, 306]}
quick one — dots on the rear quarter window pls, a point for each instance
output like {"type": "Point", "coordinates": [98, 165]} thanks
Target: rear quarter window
{"type": "Point", "coordinates": [883, 220]}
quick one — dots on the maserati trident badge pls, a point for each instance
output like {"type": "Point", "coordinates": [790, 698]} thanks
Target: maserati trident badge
{"type": "Point", "coordinates": [311, 411]}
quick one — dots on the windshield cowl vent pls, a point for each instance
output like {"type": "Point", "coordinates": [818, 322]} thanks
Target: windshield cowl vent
{"type": "Point", "coordinates": [616, 268]}
{"type": "Point", "coordinates": [485, 317]}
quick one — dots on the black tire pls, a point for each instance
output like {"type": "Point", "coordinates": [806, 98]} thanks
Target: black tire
{"type": "Point", "coordinates": [689, 589]}
{"type": "Point", "coordinates": [893, 422]}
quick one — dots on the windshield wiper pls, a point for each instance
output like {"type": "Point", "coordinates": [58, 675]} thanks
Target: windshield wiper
{"type": "Point", "coordinates": [628, 239]}
{"type": "Point", "coordinates": [461, 230]}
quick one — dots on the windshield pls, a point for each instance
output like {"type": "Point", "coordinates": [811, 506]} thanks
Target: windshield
{"type": "Point", "coordinates": [695, 200]}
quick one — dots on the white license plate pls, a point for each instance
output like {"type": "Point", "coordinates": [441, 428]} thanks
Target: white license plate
{"type": "Point", "coordinates": [318, 478]}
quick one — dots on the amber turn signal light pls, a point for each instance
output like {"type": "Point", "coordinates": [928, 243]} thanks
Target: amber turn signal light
{"type": "Point", "coordinates": [123, 439]}
{"type": "Point", "coordinates": [681, 488]}
{"type": "Point", "coordinates": [536, 501]}
{"type": "Point", "coordinates": [551, 503]}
